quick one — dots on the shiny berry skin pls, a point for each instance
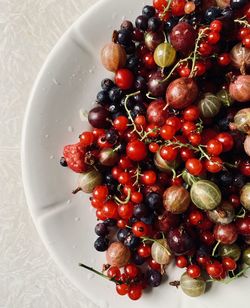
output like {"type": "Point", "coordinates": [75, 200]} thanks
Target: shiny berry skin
{"type": "Point", "coordinates": [110, 209]}
{"type": "Point", "coordinates": [234, 200]}
{"type": "Point", "coordinates": [176, 181]}
{"type": "Point", "coordinates": [153, 147]}
{"type": "Point", "coordinates": [177, 7]}
{"type": "Point", "coordinates": [229, 264]}
{"type": "Point", "coordinates": [131, 270]}
{"type": "Point", "coordinates": [226, 140]}
{"type": "Point", "coordinates": [216, 25]}
{"type": "Point", "coordinates": [214, 165]}
{"type": "Point", "coordinates": [246, 41]}
{"type": "Point", "coordinates": [205, 49]}
{"type": "Point", "coordinates": [200, 68]}
{"type": "Point", "coordinates": [136, 150]}
{"type": "Point", "coordinates": [213, 38]}
{"type": "Point", "coordinates": [188, 127]}
{"type": "Point", "coordinates": [175, 122]}
{"type": "Point", "coordinates": [135, 292]}
{"type": "Point", "coordinates": [121, 223]}
{"type": "Point", "coordinates": [114, 272]}
{"type": "Point", "coordinates": [120, 123]}
{"type": "Point", "coordinates": [140, 229]}
{"type": "Point", "coordinates": [124, 79]}
{"type": "Point", "coordinates": [148, 177]}
{"type": "Point", "coordinates": [191, 113]}
{"type": "Point", "coordinates": [167, 132]}
{"type": "Point", "coordinates": [214, 147]}
{"type": "Point", "coordinates": [195, 139]}
{"type": "Point", "coordinates": [224, 59]}
{"type": "Point", "coordinates": [207, 237]}
{"type": "Point", "coordinates": [98, 132]}
{"type": "Point", "coordinates": [148, 61]}
{"type": "Point", "coordinates": [122, 289]}
{"type": "Point", "coordinates": [237, 4]}
{"type": "Point", "coordinates": [245, 168]}
{"type": "Point", "coordinates": [186, 154]}
{"type": "Point", "coordinates": [124, 178]}
{"type": "Point", "coordinates": [87, 138]}
{"type": "Point", "coordinates": [193, 271]}
{"type": "Point", "coordinates": [97, 204]}
{"type": "Point", "coordinates": [160, 4]}
{"type": "Point", "coordinates": [194, 166]}
{"type": "Point", "coordinates": [181, 261]}
{"type": "Point", "coordinates": [136, 197]}
{"type": "Point", "coordinates": [184, 71]}
{"type": "Point", "coordinates": [226, 234]}
{"type": "Point", "coordinates": [203, 260]}
{"type": "Point", "coordinates": [144, 251]}
{"type": "Point", "coordinates": [101, 244]}
{"type": "Point", "coordinates": [101, 192]}
{"type": "Point", "coordinates": [244, 32]}
{"type": "Point", "coordinates": [195, 217]}
{"type": "Point", "coordinates": [125, 211]}
{"type": "Point", "coordinates": [169, 152]}
{"type": "Point", "coordinates": [214, 269]}
{"type": "Point", "coordinates": [125, 163]}
{"type": "Point", "coordinates": [154, 265]}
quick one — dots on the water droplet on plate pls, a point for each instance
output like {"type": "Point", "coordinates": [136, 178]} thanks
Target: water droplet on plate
{"type": "Point", "coordinates": [70, 129]}
{"type": "Point", "coordinates": [68, 201]}
{"type": "Point", "coordinates": [51, 157]}
{"type": "Point", "coordinates": [46, 136]}
{"type": "Point", "coordinates": [77, 219]}
{"type": "Point", "coordinates": [74, 246]}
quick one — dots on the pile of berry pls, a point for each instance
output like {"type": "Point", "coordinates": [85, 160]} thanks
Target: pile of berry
{"type": "Point", "coordinates": [167, 161]}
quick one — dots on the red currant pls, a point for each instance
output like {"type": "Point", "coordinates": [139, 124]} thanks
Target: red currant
{"type": "Point", "coordinates": [194, 166]}
{"type": "Point", "coordinates": [140, 229]}
{"type": "Point", "coordinates": [214, 147]}
{"type": "Point", "coordinates": [229, 264]}
{"type": "Point", "coordinates": [167, 132]}
{"type": "Point", "coordinates": [131, 270]}
{"type": "Point", "coordinates": [144, 251]}
{"type": "Point", "coordinates": [101, 192]}
{"type": "Point", "coordinates": [224, 59]}
{"type": "Point", "coordinates": [148, 177]}
{"type": "Point", "coordinates": [124, 79]}
{"type": "Point", "coordinates": [87, 138]}
{"type": "Point", "coordinates": [122, 289]}
{"type": "Point", "coordinates": [169, 152]}
{"type": "Point", "coordinates": [193, 271]}
{"type": "Point", "coordinates": [216, 25]}
{"type": "Point", "coordinates": [136, 150]}
{"type": "Point", "coordinates": [120, 123]}
{"type": "Point", "coordinates": [181, 261]}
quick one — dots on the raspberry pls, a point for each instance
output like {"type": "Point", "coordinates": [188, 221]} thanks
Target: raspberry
{"type": "Point", "coordinates": [74, 155]}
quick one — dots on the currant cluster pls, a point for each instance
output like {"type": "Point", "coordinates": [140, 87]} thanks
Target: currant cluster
{"type": "Point", "coordinates": [167, 161]}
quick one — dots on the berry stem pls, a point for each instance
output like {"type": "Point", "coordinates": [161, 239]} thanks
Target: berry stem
{"type": "Point", "coordinates": [242, 21]}
{"type": "Point", "coordinates": [195, 53]}
{"type": "Point", "coordinates": [98, 273]}
{"type": "Point", "coordinates": [229, 280]}
{"type": "Point", "coordinates": [119, 201]}
{"type": "Point", "coordinates": [215, 248]}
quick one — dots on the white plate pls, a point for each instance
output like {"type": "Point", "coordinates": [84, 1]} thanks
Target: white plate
{"type": "Point", "coordinates": [68, 82]}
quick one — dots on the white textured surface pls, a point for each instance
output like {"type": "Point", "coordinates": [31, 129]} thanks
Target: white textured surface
{"type": "Point", "coordinates": [28, 31]}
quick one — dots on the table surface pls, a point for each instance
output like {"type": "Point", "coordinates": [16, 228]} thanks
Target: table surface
{"type": "Point", "coordinates": [28, 277]}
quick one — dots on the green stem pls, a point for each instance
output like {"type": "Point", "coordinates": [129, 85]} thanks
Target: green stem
{"type": "Point", "coordinates": [98, 273]}
{"type": "Point", "coordinates": [119, 201]}
{"type": "Point", "coordinates": [174, 68]}
{"type": "Point", "coordinates": [137, 175]}
{"type": "Point", "coordinates": [167, 7]}
{"type": "Point", "coordinates": [200, 36]}
{"type": "Point", "coordinates": [215, 248]}
{"type": "Point", "coordinates": [150, 97]}
{"type": "Point", "coordinates": [128, 111]}
{"type": "Point", "coordinates": [242, 21]}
